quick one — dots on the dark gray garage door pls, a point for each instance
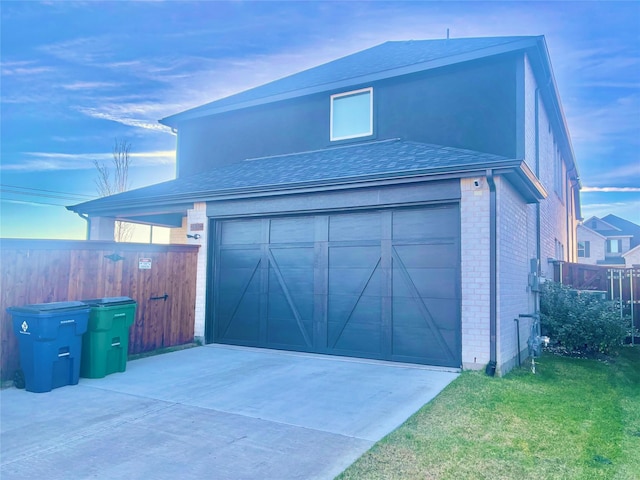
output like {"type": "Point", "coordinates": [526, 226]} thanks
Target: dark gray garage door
{"type": "Point", "coordinates": [381, 284]}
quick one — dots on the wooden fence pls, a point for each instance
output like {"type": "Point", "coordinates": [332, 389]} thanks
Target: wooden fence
{"type": "Point", "coordinates": [160, 278]}
{"type": "Point", "coordinates": [621, 285]}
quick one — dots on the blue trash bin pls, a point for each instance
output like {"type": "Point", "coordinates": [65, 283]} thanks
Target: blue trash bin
{"type": "Point", "coordinates": [50, 343]}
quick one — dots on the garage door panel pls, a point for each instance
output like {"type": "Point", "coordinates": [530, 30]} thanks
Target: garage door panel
{"type": "Point", "coordinates": [322, 283]}
{"type": "Point", "coordinates": [355, 226]}
{"type": "Point", "coordinates": [432, 255]}
{"type": "Point", "coordinates": [243, 324]}
{"type": "Point", "coordinates": [416, 342]}
{"type": "Point", "coordinates": [297, 280]}
{"type": "Point", "coordinates": [413, 341]}
{"type": "Point", "coordinates": [359, 337]}
{"type": "Point", "coordinates": [239, 258]}
{"type": "Point", "coordinates": [355, 281]}
{"type": "Point", "coordinates": [292, 230]}
{"type": "Point", "coordinates": [429, 283]}
{"type": "Point", "coordinates": [353, 256]}
{"type": "Point", "coordinates": [237, 232]}
{"type": "Point", "coordinates": [239, 285]}
{"type": "Point", "coordinates": [444, 312]}
{"type": "Point", "coordinates": [240, 279]}
{"type": "Point", "coordinates": [283, 327]}
{"type": "Point", "coordinates": [295, 257]}
{"type": "Point", "coordinates": [343, 308]}
{"type": "Point", "coordinates": [423, 224]}
{"type": "Point", "coordinates": [300, 305]}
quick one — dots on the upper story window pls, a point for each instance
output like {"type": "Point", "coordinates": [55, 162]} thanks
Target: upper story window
{"type": "Point", "coordinates": [614, 246]}
{"type": "Point", "coordinates": [352, 114]}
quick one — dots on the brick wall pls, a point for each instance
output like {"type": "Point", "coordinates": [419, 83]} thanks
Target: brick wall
{"type": "Point", "coordinates": [198, 214]}
{"type": "Point", "coordinates": [178, 236]}
{"type": "Point", "coordinates": [558, 222]}
{"type": "Point", "coordinates": [516, 245]}
{"type": "Point", "coordinates": [474, 213]}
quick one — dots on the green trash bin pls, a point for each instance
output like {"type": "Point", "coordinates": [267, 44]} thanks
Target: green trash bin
{"type": "Point", "coordinates": [105, 345]}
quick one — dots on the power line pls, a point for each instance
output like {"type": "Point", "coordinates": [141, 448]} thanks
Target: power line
{"type": "Point", "coordinates": [28, 190]}
{"type": "Point", "coordinates": [46, 195]}
{"type": "Point", "coordinates": [13, 200]}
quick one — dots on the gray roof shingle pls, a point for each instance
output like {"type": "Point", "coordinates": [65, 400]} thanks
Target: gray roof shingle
{"type": "Point", "coordinates": [358, 162]}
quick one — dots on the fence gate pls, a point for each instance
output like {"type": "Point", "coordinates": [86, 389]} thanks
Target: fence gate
{"type": "Point", "coordinates": [160, 278]}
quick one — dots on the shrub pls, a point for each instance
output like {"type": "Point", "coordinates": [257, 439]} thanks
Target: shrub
{"type": "Point", "coordinates": [580, 321]}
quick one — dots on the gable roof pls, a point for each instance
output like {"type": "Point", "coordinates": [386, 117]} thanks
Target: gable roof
{"type": "Point", "coordinates": [589, 230]}
{"type": "Point", "coordinates": [386, 60]}
{"type": "Point", "coordinates": [600, 222]}
{"type": "Point", "coordinates": [384, 160]}
{"type": "Point", "coordinates": [609, 229]}
{"type": "Point", "coordinates": [625, 226]}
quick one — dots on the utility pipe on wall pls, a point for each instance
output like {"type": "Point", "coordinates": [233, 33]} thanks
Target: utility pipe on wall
{"type": "Point", "coordinates": [491, 367]}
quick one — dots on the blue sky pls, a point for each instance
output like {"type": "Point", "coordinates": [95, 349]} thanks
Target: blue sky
{"type": "Point", "coordinates": [76, 75]}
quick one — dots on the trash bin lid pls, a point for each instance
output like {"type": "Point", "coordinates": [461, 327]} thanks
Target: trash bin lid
{"type": "Point", "coordinates": [43, 308]}
{"type": "Point", "coordinates": [108, 301]}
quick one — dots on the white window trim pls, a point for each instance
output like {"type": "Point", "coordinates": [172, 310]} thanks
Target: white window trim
{"type": "Point", "coordinates": [346, 94]}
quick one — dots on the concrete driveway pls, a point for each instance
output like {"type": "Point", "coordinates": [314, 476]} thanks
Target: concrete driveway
{"type": "Point", "coordinates": [215, 412]}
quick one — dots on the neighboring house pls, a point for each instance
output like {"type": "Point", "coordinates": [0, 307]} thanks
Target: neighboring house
{"type": "Point", "coordinates": [632, 257]}
{"type": "Point", "coordinates": [394, 204]}
{"type": "Point", "coordinates": [608, 241]}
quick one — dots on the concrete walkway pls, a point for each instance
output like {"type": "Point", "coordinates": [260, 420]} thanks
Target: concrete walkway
{"type": "Point", "coordinates": [214, 412]}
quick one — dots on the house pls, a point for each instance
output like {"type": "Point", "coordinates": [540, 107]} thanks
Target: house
{"type": "Point", "coordinates": [399, 203]}
{"type": "Point", "coordinates": [609, 241]}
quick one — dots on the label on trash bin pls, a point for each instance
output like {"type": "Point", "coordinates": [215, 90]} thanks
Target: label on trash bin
{"type": "Point", "coordinates": [144, 264]}
{"type": "Point", "coordinates": [25, 327]}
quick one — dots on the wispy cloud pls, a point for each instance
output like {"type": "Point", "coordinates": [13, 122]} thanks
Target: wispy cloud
{"type": "Point", "coordinates": [605, 173]}
{"type": "Point", "coordinates": [131, 114]}
{"type": "Point", "coordinates": [90, 85]}
{"type": "Point", "coordinates": [23, 67]}
{"type": "Point", "coordinates": [83, 50]}
{"type": "Point", "coordinates": [611, 189]}
{"type": "Point", "coordinates": [54, 161]}
{"type": "Point", "coordinates": [604, 121]}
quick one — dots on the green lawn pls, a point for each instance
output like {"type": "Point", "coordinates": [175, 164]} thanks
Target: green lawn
{"type": "Point", "coordinates": [573, 419]}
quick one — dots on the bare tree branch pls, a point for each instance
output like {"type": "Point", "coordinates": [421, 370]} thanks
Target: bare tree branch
{"type": "Point", "coordinates": [108, 184]}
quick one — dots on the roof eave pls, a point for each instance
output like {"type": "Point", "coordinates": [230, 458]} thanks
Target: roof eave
{"type": "Point", "coordinates": [516, 171]}
{"type": "Point", "coordinates": [554, 95]}
{"type": "Point", "coordinates": [211, 109]}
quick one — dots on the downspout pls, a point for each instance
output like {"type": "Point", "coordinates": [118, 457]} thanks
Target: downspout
{"type": "Point", "coordinates": [88, 220]}
{"type": "Point", "coordinates": [493, 285]}
{"type": "Point", "coordinates": [537, 127]}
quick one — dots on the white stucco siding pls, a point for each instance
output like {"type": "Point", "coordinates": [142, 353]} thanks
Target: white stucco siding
{"type": "Point", "coordinates": [516, 246]}
{"type": "Point", "coordinates": [474, 216]}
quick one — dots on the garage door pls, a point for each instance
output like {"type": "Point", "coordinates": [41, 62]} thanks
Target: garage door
{"type": "Point", "coordinates": [380, 284]}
